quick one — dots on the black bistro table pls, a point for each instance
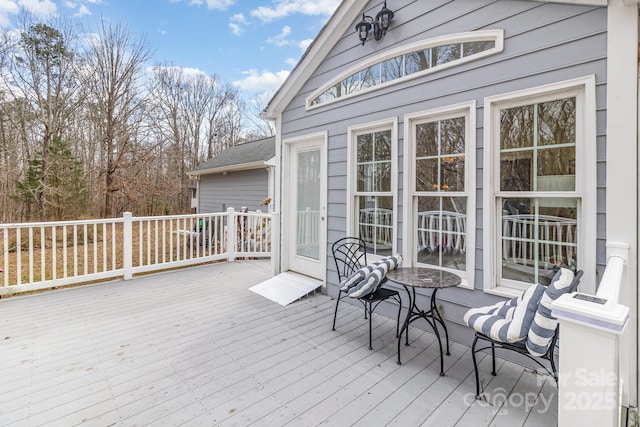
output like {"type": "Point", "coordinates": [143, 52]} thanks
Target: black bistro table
{"type": "Point", "coordinates": [412, 278]}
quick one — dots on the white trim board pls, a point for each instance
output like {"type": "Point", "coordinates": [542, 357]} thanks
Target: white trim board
{"type": "Point", "coordinates": [286, 287]}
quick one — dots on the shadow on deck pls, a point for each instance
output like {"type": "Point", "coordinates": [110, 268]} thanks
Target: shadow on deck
{"type": "Point", "coordinates": [195, 347]}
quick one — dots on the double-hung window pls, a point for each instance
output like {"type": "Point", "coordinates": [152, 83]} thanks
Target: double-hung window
{"type": "Point", "coordinates": [539, 184]}
{"type": "Point", "coordinates": [439, 182]}
{"type": "Point", "coordinates": [372, 185]}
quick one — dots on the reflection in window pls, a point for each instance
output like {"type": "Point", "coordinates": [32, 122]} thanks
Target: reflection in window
{"type": "Point", "coordinates": [373, 191]}
{"type": "Point", "coordinates": [441, 221]}
{"type": "Point", "coordinates": [404, 65]}
{"type": "Point", "coordinates": [538, 154]}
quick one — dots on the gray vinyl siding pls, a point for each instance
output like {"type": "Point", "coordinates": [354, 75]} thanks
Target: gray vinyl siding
{"type": "Point", "coordinates": [544, 43]}
{"type": "Point", "coordinates": [233, 190]}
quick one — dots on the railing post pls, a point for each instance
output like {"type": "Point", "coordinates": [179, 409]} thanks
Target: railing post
{"type": "Point", "coordinates": [589, 380]}
{"type": "Point", "coordinates": [275, 243]}
{"type": "Point", "coordinates": [127, 252]}
{"type": "Point", "coordinates": [232, 232]}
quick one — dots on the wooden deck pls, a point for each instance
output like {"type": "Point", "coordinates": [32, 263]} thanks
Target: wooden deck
{"type": "Point", "coordinates": [195, 347]}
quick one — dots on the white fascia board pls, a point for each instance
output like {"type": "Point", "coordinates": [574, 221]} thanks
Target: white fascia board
{"type": "Point", "coordinates": [233, 168]}
{"type": "Point", "coordinates": [342, 19]}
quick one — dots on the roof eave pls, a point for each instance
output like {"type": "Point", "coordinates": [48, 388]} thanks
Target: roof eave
{"type": "Point", "coordinates": [233, 168]}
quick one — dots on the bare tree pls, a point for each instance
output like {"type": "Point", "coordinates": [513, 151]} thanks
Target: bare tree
{"type": "Point", "coordinates": [41, 74]}
{"type": "Point", "coordinates": [111, 73]}
{"type": "Point", "coordinates": [260, 127]}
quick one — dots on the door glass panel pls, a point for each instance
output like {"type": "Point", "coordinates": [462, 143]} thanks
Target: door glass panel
{"type": "Point", "coordinates": [308, 207]}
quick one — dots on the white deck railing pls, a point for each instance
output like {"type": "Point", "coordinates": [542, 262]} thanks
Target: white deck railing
{"type": "Point", "coordinates": [49, 254]}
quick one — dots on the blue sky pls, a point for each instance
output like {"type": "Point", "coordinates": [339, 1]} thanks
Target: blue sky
{"type": "Point", "coordinates": [250, 43]}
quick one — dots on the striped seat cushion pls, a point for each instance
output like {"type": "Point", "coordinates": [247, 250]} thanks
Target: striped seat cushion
{"type": "Point", "coordinates": [544, 324]}
{"type": "Point", "coordinates": [375, 277]}
{"type": "Point", "coordinates": [358, 276]}
{"type": "Point", "coordinates": [507, 321]}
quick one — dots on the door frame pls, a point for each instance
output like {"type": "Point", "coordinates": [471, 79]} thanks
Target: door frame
{"type": "Point", "coordinates": [320, 139]}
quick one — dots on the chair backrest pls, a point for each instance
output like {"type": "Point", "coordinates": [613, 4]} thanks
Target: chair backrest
{"type": "Point", "coordinates": [349, 254]}
{"type": "Point", "coordinates": [576, 281]}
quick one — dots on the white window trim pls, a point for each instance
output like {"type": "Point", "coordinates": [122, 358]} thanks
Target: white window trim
{"type": "Point", "coordinates": [470, 36]}
{"type": "Point", "coordinates": [586, 185]}
{"type": "Point", "coordinates": [352, 176]}
{"type": "Point", "coordinates": [408, 246]}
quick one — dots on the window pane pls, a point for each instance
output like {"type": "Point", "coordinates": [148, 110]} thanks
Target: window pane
{"type": "Point", "coordinates": [427, 139]}
{"type": "Point", "coordinates": [391, 69]}
{"type": "Point", "coordinates": [370, 77]}
{"type": "Point", "coordinates": [417, 61]}
{"type": "Point", "coordinates": [452, 173]}
{"type": "Point", "coordinates": [441, 231]}
{"type": "Point", "coordinates": [365, 148]}
{"type": "Point", "coordinates": [382, 142]}
{"type": "Point", "coordinates": [452, 133]}
{"type": "Point", "coordinates": [427, 175]}
{"type": "Point", "coordinates": [516, 127]}
{"type": "Point", "coordinates": [557, 122]}
{"type": "Point", "coordinates": [538, 235]}
{"type": "Point", "coordinates": [557, 169]}
{"type": "Point", "coordinates": [375, 223]}
{"type": "Point", "coordinates": [443, 54]}
{"type": "Point", "coordinates": [374, 162]}
{"type": "Point", "coordinates": [516, 171]}
{"type": "Point", "coordinates": [471, 48]}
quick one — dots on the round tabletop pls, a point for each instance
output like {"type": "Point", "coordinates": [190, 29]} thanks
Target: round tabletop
{"type": "Point", "coordinates": [423, 277]}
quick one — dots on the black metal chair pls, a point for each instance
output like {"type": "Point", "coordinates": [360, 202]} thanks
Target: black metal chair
{"type": "Point", "coordinates": [520, 346]}
{"type": "Point", "coordinates": [350, 254]}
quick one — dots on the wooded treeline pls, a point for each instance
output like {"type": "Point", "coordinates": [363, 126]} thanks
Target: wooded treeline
{"type": "Point", "coordinates": [89, 129]}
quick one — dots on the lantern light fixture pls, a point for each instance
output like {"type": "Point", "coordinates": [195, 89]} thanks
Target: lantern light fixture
{"type": "Point", "coordinates": [380, 24]}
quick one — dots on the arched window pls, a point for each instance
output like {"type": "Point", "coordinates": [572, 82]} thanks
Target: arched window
{"type": "Point", "coordinates": [408, 62]}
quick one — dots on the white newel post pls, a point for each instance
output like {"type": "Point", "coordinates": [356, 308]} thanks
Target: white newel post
{"type": "Point", "coordinates": [232, 232]}
{"type": "Point", "coordinates": [127, 252]}
{"type": "Point", "coordinates": [589, 384]}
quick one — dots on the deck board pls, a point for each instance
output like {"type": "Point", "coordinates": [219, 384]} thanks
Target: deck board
{"type": "Point", "coordinates": [195, 347]}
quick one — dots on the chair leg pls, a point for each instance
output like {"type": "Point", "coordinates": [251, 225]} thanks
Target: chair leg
{"type": "Point", "coordinates": [398, 320]}
{"type": "Point", "coordinates": [369, 309]}
{"type": "Point", "coordinates": [335, 314]}
{"type": "Point", "coordinates": [553, 367]}
{"type": "Point", "coordinates": [493, 359]}
{"type": "Point", "coordinates": [475, 366]}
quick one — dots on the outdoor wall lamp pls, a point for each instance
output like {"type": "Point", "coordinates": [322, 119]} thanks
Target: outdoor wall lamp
{"type": "Point", "coordinates": [380, 24]}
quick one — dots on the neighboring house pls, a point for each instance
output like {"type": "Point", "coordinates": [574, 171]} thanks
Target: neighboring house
{"type": "Point", "coordinates": [241, 176]}
{"type": "Point", "coordinates": [494, 139]}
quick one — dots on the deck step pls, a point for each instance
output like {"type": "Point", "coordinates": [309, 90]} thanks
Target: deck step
{"type": "Point", "coordinates": [286, 287]}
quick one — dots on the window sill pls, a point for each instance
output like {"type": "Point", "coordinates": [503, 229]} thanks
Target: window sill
{"type": "Point", "coordinates": [504, 291]}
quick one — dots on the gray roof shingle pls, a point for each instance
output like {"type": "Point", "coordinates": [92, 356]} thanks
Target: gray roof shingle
{"type": "Point", "coordinates": [254, 152]}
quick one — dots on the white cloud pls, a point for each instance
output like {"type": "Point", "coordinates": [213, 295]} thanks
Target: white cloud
{"type": "Point", "coordinates": [291, 61]}
{"type": "Point", "coordinates": [304, 44]}
{"type": "Point", "coordinates": [83, 10]}
{"type": "Point", "coordinates": [188, 72]}
{"type": "Point", "coordinates": [258, 81]}
{"type": "Point", "coordinates": [7, 7]}
{"type": "Point", "coordinates": [81, 6]}
{"type": "Point", "coordinates": [42, 8]}
{"type": "Point", "coordinates": [285, 8]}
{"type": "Point", "coordinates": [236, 23]}
{"type": "Point", "coordinates": [213, 4]}
{"type": "Point", "coordinates": [281, 39]}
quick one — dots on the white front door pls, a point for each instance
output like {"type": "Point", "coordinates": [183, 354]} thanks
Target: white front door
{"type": "Point", "coordinates": [305, 220]}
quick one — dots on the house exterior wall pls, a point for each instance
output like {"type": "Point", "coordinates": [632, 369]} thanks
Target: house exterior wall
{"type": "Point", "coordinates": [544, 43]}
{"type": "Point", "coordinates": [233, 190]}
